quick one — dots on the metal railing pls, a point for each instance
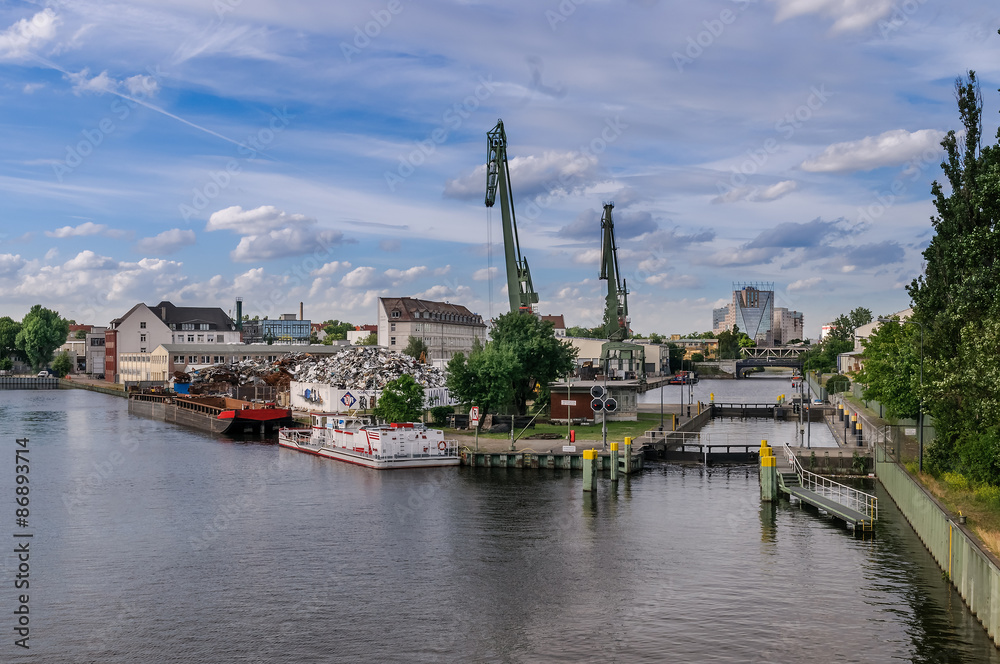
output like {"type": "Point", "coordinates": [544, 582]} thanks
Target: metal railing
{"type": "Point", "coordinates": [859, 501]}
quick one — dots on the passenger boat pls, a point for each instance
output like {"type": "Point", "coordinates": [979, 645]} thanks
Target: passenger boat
{"type": "Point", "coordinates": [378, 446]}
{"type": "Point", "coordinates": [684, 378]}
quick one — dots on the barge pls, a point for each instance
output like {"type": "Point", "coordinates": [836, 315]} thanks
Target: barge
{"type": "Point", "coordinates": [211, 414]}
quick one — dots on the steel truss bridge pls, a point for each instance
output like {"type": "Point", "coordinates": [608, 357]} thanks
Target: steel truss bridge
{"type": "Point", "coordinates": [775, 356]}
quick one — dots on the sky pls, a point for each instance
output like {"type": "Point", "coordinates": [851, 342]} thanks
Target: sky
{"type": "Point", "coordinates": [332, 153]}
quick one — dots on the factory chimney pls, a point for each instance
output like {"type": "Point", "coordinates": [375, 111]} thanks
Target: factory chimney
{"type": "Point", "coordinates": [301, 317]}
{"type": "Point", "coordinates": [239, 314]}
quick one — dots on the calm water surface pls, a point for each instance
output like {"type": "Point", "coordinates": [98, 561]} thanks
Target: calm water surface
{"type": "Point", "coordinates": [153, 543]}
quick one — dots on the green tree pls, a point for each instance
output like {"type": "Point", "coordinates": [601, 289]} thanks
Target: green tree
{"type": "Point", "coordinates": [370, 340]}
{"type": "Point", "coordinates": [402, 400]}
{"type": "Point", "coordinates": [80, 334]}
{"type": "Point", "coordinates": [745, 341]}
{"type": "Point", "coordinates": [486, 379]}
{"type": "Point", "coordinates": [655, 338]}
{"type": "Point", "coordinates": [845, 324]}
{"type": "Point", "coordinates": [6, 364]}
{"type": "Point", "coordinates": [822, 357]}
{"type": "Point", "coordinates": [541, 357]}
{"type": "Point", "coordinates": [837, 383]}
{"type": "Point", "coordinates": [42, 331]}
{"type": "Point", "coordinates": [8, 336]}
{"type": "Point", "coordinates": [416, 348]}
{"type": "Point", "coordinates": [891, 371]}
{"type": "Point", "coordinates": [697, 357]}
{"type": "Point", "coordinates": [336, 330]}
{"type": "Point", "coordinates": [62, 365]}
{"type": "Point", "coordinates": [729, 343]}
{"type": "Point", "coordinates": [957, 297]}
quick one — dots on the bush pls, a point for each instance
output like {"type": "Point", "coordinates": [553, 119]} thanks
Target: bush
{"type": "Point", "coordinates": [989, 494]}
{"type": "Point", "coordinates": [697, 357]}
{"type": "Point", "coordinates": [837, 383]}
{"type": "Point", "coordinates": [956, 481]}
{"type": "Point", "coordinates": [440, 413]}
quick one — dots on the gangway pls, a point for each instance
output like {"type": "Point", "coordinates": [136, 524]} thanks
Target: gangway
{"type": "Point", "coordinates": [856, 508]}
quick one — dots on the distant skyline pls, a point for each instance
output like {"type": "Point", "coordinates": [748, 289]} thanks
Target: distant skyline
{"type": "Point", "coordinates": [334, 153]}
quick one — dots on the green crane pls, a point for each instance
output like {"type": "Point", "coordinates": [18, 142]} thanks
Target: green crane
{"type": "Point", "coordinates": [631, 358]}
{"type": "Point", "coordinates": [521, 293]}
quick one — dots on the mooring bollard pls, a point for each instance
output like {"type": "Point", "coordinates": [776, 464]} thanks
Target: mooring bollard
{"type": "Point", "coordinates": [768, 473]}
{"type": "Point", "coordinates": [627, 451]}
{"type": "Point", "coordinates": [589, 469]}
{"type": "Point", "coordinates": [614, 462]}
{"type": "Point", "coordinates": [840, 412]}
{"type": "Point", "coordinates": [860, 440]}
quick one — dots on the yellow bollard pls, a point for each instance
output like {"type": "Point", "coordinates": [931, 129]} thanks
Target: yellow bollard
{"type": "Point", "coordinates": [614, 461]}
{"type": "Point", "coordinates": [711, 397]}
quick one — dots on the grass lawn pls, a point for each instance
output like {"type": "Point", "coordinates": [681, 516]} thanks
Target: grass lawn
{"type": "Point", "coordinates": [982, 512]}
{"type": "Point", "coordinates": [617, 431]}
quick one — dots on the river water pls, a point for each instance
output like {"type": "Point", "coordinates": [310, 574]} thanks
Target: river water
{"type": "Point", "coordinates": [153, 543]}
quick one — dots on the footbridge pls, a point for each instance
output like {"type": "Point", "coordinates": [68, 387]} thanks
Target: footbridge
{"type": "Point", "coordinates": [774, 356]}
{"type": "Point", "coordinates": [859, 510]}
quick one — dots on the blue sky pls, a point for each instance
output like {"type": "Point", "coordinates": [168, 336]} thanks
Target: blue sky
{"type": "Point", "coordinates": [332, 153]}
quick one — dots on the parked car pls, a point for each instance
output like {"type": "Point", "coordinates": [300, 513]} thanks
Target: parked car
{"type": "Point", "coordinates": [44, 373]}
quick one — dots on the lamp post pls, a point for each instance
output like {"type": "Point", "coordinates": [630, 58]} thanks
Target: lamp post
{"type": "Point", "coordinates": [920, 402]}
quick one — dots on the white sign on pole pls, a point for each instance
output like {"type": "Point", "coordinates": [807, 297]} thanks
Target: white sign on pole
{"type": "Point", "coordinates": [474, 416]}
{"type": "Point", "coordinates": [569, 402]}
{"type": "Point", "coordinates": [569, 448]}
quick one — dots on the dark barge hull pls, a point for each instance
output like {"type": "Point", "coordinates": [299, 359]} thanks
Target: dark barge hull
{"type": "Point", "coordinates": [207, 418]}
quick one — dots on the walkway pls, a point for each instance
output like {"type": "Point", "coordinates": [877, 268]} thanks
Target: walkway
{"type": "Point", "coordinates": [857, 509]}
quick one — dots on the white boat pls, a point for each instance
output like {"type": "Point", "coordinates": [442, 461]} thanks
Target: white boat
{"type": "Point", "coordinates": [379, 446]}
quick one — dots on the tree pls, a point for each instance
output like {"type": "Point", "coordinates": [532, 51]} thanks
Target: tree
{"type": "Point", "coordinates": [486, 379]}
{"type": "Point", "coordinates": [729, 343]}
{"type": "Point", "coordinates": [655, 338]}
{"type": "Point", "coordinates": [62, 365]}
{"type": "Point", "coordinates": [541, 357]}
{"type": "Point", "coordinates": [6, 364]}
{"type": "Point", "coordinates": [837, 383]}
{"type": "Point", "coordinates": [586, 332]}
{"type": "Point", "coordinates": [42, 331]}
{"type": "Point", "coordinates": [745, 341]}
{"type": "Point", "coordinates": [402, 400]}
{"type": "Point", "coordinates": [956, 298]}
{"type": "Point", "coordinates": [8, 336]}
{"type": "Point", "coordinates": [336, 330]}
{"type": "Point", "coordinates": [697, 357]}
{"type": "Point", "coordinates": [891, 372]}
{"type": "Point", "coordinates": [80, 334]}
{"type": "Point", "coordinates": [823, 356]}
{"type": "Point", "coordinates": [370, 340]}
{"type": "Point", "coordinates": [845, 324]}
{"type": "Point", "coordinates": [416, 348]}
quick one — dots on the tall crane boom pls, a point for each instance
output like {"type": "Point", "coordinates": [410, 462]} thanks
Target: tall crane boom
{"type": "Point", "coordinates": [616, 302]}
{"type": "Point", "coordinates": [617, 354]}
{"type": "Point", "coordinates": [521, 293]}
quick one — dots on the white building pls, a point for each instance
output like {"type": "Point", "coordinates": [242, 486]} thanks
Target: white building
{"type": "Point", "coordinates": [446, 328]}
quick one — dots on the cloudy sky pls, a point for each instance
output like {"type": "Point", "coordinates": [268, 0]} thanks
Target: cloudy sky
{"type": "Point", "coordinates": [333, 152]}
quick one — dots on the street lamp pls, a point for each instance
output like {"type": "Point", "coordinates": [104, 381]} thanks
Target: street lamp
{"type": "Point", "coordinates": [920, 402]}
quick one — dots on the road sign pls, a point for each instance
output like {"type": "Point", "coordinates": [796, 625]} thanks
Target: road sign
{"type": "Point", "coordinates": [474, 416]}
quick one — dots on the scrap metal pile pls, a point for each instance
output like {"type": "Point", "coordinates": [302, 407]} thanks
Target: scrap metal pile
{"type": "Point", "coordinates": [356, 367]}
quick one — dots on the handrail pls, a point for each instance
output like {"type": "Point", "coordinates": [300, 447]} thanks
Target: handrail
{"type": "Point", "coordinates": [847, 496]}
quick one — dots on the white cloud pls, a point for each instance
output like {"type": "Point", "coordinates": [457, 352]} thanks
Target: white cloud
{"type": "Point", "coordinates": [31, 88]}
{"type": "Point", "coordinates": [26, 35]}
{"type": "Point", "coordinates": [805, 284]}
{"type": "Point", "coordinates": [846, 14]}
{"type": "Point", "coordinates": [890, 148]}
{"type": "Point", "coordinates": [255, 222]}
{"type": "Point", "coordinates": [402, 276]}
{"type": "Point", "coordinates": [329, 269]}
{"type": "Point", "coordinates": [588, 257]}
{"type": "Point", "coordinates": [166, 242]}
{"type": "Point", "coordinates": [442, 292]}
{"type": "Point", "coordinates": [10, 263]}
{"type": "Point", "coordinates": [743, 256]}
{"type": "Point", "coordinates": [484, 274]}
{"type": "Point", "coordinates": [271, 233]}
{"type": "Point", "coordinates": [282, 243]}
{"type": "Point", "coordinates": [441, 271]}
{"type": "Point", "coordinates": [88, 260]}
{"type": "Point", "coordinates": [552, 174]}
{"type": "Point", "coordinates": [360, 277]}
{"type": "Point", "coordinates": [776, 191]}
{"type": "Point", "coordinates": [138, 86]}
{"type": "Point", "coordinates": [86, 228]}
